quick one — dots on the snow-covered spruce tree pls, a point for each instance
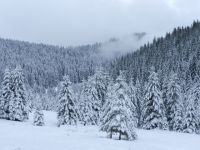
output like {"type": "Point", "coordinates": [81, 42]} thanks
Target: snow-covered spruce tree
{"type": "Point", "coordinates": [190, 121]}
{"type": "Point", "coordinates": [154, 116]}
{"type": "Point", "coordinates": [6, 94]}
{"type": "Point", "coordinates": [117, 118]}
{"type": "Point", "coordinates": [178, 119]}
{"type": "Point", "coordinates": [194, 96]}
{"type": "Point", "coordinates": [132, 96]}
{"type": "Point", "coordinates": [173, 103]}
{"type": "Point", "coordinates": [96, 91]}
{"type": "Point", "coordinates": [101, 83]}
{"type": "Point", "coordinates": [107, 106]}
{"type": "Point", "coordinates": [86, 110]}
{"type": "Point", "coordinates": [31, 98]}
{"type": "Point", "coordinates": [38, 118]}
{"type": "Point", "coordinates": [137, 100]}
{"type": "Point", "coordinates": [191, 117]}
{"type": "Point", "coordinates": [94, 99]}
{"type": "Point", "coordinates": [18, 102]}
{"type": "Point", "coordinates": [67, 108]}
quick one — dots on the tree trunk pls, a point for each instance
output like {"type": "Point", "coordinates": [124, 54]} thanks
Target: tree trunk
{"type": "Point", "coordinates": [111, 133]}
{"type": "Point", "coordinates": [120, 134]}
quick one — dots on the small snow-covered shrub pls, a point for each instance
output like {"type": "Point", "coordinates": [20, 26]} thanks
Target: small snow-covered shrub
{"type": "Point", "coordinates": [38, 119]}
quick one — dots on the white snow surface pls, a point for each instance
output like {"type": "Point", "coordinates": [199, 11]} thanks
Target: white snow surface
{"type": "Point", "coordinates": [25, 136]}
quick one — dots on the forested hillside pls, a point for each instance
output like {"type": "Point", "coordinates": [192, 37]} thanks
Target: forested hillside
{"type": "Point", "coordinates": [44, 65]}
{"type": "Point", "coordinates": [177, 52]}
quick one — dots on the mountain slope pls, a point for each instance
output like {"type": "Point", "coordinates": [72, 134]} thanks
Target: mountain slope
{"type": "Point", "coordinates": [177, 52]}
{"type": "Point", "coordinates": [44, 65]}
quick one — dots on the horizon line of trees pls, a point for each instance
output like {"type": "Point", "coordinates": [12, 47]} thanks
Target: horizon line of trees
{"type": "Point", "coordinates": [117, 106]}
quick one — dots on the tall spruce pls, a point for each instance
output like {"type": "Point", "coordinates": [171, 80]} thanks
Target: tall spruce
{"type": "Point", "coordinates": [195, 97]}
{"type": "Point", "coordinates": [101, 83]}
{"type": "Point", "coordinates": [190, 124]}
{"type": "Point", "coordinates": [173, 103]}
{"type": "Point", "coordinates": [117, 118]}
{"type": "Point", "coordinates": [194, 101]}
{"type": "Point", "coordinates": [154, 116]}
{"type": "Point", "coordinates": [97, 88]}
{"type": "Point", "coordinates": [178, 119]}
{"type": "Point", "coordinates": [93, 97]}
{"type": "Point", "coordinates": [86, 110]}
{"type": "Point", "coordinates": [18, 105]}
{"type": "Point", "coordinates": [110, 98]}
{"type": "Point", "coordinates": [137, 100]}
{"type": "Point", "coordinates": [6, 94]}
{"type": "Point", "coordinates": [67, 108]}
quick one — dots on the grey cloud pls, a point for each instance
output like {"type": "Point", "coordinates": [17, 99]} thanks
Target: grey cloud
{"type": "Point", "coordinates": [75, 22]}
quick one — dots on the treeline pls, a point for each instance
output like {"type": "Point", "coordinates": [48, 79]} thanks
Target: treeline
{"type": "Point", "coordinates": [114, 105]}
{"type": "Point", "coordinates": [44, 65]}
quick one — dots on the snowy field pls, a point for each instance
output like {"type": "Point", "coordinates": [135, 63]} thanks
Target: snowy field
{"type": "Point", "coordinates": [25, 136]}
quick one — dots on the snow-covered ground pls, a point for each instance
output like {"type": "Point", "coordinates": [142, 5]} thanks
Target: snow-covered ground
{"type": "Point", "coordinates": [25, 136]}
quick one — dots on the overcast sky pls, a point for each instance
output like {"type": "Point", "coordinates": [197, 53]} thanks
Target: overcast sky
{"type": "Point", "coordinates": [76, 22]}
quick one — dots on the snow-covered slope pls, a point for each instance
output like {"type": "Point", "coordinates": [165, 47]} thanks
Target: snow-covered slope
{"type": "Point", "coordinates": [25, 136]}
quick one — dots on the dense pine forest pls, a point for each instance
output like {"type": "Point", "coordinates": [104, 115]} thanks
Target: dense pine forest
{"type": "Point", "coordinates": [155, 87]}
{"type": "Point", "coordinates": [178, 52]}
{"type": "Point", "coordinates": [44, 65]}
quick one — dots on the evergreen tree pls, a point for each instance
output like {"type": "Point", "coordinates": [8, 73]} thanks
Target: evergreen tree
{"type": "Point", "coordinates": [31, 98]}
{"type": "Point", "coordinates": [117, 117]}
{"type": "Point", "coordinates": [67, 108]}
{"type": "Point", "coordinates": [194, 97]}
{"type": "Point", "coordinates": [18, 101]}
{"type": "Point", "coordinates": [137, 100]}
{"type": "Point", "coordinates": [173, 100]}
{"type": "Point", "coordinates": [38, 119]}
{"type": "Point", "coordinates": [101, 84]}
{"type": "Point", "coordinates": [133, 101]}
{"type": "Point", "coordinates": [86, 110]}
{"type": "Point", "coordinates": [6, 94]}
{"type": "Point", "coordinates": [110, 98]}
{"type": "Point", "coordinates": [154, 116]}
{"type": "Point", "coordinates": [178, 120]}
{"type": "Point", "coordinates": [92, 95]}
{"type": "Point", "coordinates": [190, 122]}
